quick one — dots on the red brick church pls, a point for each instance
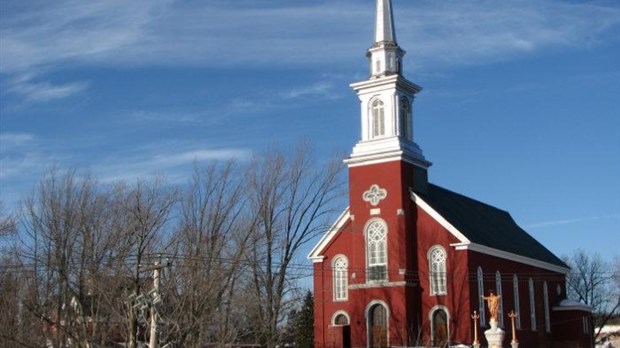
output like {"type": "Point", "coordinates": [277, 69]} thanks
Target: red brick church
{"type": "Point", "coordinates": [407, 263]}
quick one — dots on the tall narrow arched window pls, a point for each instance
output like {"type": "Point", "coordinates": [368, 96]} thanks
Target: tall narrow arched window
{"type": "Point", "coordinates": [532, 304]}
{"type": "Point", "coordinates": [546, 302]}
{"type": "Point", "coordinates": [378, 118]}
{"type": "Point", "coordinates": [498, 288]}
{"type": "Point", "coordinates": [481, 308]}
{"type": "Point", "coordinates": [405, 118]}
{"type": "Point", "coordinates": [515, 290]}
{"type": "Point", "coordinates": [376, 250]}
{"type": "Point", "coordinates": [437, 270]}
{"type": "Point", "coordinates": [339, 267]}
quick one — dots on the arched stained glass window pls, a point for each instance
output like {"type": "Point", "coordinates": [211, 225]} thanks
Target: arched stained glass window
{"type": "Point", "coordinates": [515, 289]}
{"type": "Point", "coordinates": [437, 270]}
{"type": "Point", "coordinates": [498, 288]}
{"type": "Point", "coordinates": [546, 302]}
{"type": "Point", "coordinates": [340, 272]}
{"type": "Point", "coordinates": [376, 244]}
{"type": "Point", "coordinates": [341, 319]}
{"type": "Point", "coordinates": [532, 305]}
{"type": "Point", "coordinates": [481, 307]}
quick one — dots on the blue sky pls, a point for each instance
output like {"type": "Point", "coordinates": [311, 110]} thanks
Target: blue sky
{"type": "Point", "coordinates": [520, 108]}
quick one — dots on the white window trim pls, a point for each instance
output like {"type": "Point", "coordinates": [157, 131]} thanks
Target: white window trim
{"type": "Point", "coordinates": [443, 282]}
{"type": "Point", "coordinates": [368, 265]}
{"type": "Point", "coordinates": [498, 289]}
{"type": "Point", "coordinates": [532, 304]}
{"type": "Point", "coordinates": [517, 300]}
{"type": "Point", "coordinates": [481, 308]}
{"type": "Point", "coordinates": [335, 274]}
{"type": "Point", "coordinates": [339, 313]}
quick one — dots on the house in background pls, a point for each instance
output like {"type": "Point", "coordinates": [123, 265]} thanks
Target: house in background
{"type": "Point", "coordinates": [407, 263]}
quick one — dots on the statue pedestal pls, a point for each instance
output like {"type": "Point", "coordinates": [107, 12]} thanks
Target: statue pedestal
{"type": "Point", "coordinates": [495, 335]}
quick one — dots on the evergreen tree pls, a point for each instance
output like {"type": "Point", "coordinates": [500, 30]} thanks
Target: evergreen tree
{"type": "Point", "coordinates": [303, 323]}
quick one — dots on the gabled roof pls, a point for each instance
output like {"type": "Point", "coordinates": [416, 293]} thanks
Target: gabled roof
{"type": "Point", "coordinates": [483, 225]}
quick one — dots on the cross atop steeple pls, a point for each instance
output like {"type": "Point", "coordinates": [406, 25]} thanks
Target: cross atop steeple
{"type": "Point", "coordinates": [385, 55]}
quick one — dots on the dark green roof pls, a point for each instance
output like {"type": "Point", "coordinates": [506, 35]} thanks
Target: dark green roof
{"type": "Point", "coordinates": [486, 225]}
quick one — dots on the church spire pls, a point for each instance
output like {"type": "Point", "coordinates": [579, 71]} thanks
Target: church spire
{"type": "Point", "coordinates": [386, 101]}
{"type": "Point", "coordinates": [384, 30]}
{"type": "Point", "coordinates": [385, 55]}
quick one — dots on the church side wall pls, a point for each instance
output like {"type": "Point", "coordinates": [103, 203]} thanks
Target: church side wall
{"type": "Point", "coordinates": [457, 299]}
{"type": "Point", "coordinates": [556, 285]}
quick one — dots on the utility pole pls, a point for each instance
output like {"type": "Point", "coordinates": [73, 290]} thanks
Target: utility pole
{"type": "Point", "coordinates": [155, 298]}
{"type": "Point", "coordinates": [153, 338]}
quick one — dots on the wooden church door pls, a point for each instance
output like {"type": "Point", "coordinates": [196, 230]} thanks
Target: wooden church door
{"type": "Point", "coordinates": [440, 328]}
{"type": "Point", "coordinates": [378, 326]}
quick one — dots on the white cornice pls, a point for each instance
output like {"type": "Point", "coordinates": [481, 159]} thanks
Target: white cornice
{"type": "Point", "coordinates": [510, 256]}
{"type": "Point", "coordinates": [570, 305]}
{"type": "Point", "coordinates": [384, 158]}
{"type": "Point", "coordinates": [466, 244]}
{"type": "Point", "coordinates": [386, 81]}
{"type": "Point", "coordinates": [377, 285]}
{"type": "Point", "coordinates": [387, 149]}
{"type": "Point", "coordinates": [315, 254]}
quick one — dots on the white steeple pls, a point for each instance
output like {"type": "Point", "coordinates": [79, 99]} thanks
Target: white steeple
{"type": "Point", "coordinates": [386, 101]}
{"type": "Point", "coordinates": [385, 55]}
{"type": "Point", "coordinates": [384, 29]}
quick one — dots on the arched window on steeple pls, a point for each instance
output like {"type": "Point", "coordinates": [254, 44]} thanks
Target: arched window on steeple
{"type": "Point", "coordinates": [378, 118]}
{"type": "Point", "coordinates": [405, 118]}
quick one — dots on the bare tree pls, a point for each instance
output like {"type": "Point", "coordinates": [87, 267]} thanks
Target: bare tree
{"type": "Point", "coordinates": [144, 213]}
{"type": "Point", "coordinates": [61, 247]}
{"type": "Point", "coordinates": [210, 241]}
{"type": "Point", "coordinates": [7, 223]}
{"type": "Point", "coordinates": [590, 282]}
{"type": "Point", "coordinates": [291, 198]}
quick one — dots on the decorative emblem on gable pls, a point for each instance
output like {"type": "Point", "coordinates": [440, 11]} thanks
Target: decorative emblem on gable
{"type": "Point", "coordinates": [374, 195]}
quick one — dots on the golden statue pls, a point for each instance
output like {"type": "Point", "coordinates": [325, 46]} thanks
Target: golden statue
{"type": "Point", "coordinates": [493, 303]}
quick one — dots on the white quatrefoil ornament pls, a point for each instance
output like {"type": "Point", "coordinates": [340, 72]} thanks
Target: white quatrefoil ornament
{"type": "Point", "coordinates": [374, 195]}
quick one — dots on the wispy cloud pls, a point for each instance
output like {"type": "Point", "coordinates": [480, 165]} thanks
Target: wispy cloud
{"type": "Point", "coordinates": [321, 90]}
{"type": "Point", "coordinates": [32, 90]}
{"type": "Point", "coordinates": [11, 140]}
{"type": "Point", "coordinates": [141, 32]}
{"type": "Point", "coordinates": [173, 162]}
{"type": "Point", "coordinates": [572, 221]}
{"type": "Point", "coordinates": [474, 32]}
{"type": "Point", "coordinates": [20, 155]}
